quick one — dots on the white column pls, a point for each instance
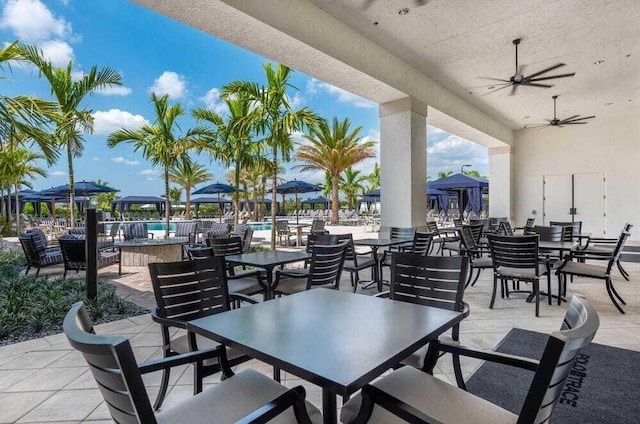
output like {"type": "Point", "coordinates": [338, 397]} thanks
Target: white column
{"type": "Point", "coordinates": [500, 177]}
{"type": "Point", "coordinates": [403, 164]}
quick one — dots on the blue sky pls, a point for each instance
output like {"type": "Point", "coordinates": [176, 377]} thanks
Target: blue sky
{"type": "Point", "coordinates": [157, 54]}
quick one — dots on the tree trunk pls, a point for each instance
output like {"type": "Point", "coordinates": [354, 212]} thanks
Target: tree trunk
{"type": "Point", "coordinates": [236, 196]}
{"type": "Point", "coordinates": [334, 198]}
{"type": "Point", "coordinates": [188, 201]}
{"type": "Point", "coordinates": [9, 206]}
{"type": "Point", "coordinates": [166, 202]}
{"type": "Point", "coordinates": [72, 187]}
{"type": "Point", "coordinates": [273, 197]}
{"type": "Point", "coordinates": [17, 210]}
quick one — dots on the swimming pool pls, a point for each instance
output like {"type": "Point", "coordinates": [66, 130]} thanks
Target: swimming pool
{"type": "Point", "coordinates": [160, 226]}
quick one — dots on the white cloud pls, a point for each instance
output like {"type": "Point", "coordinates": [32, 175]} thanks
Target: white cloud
{"type": "Point", "coordinates": [296, 101]}
{"type": "Point", "coordinates": [96, 158]}
{"type": "Point", "coordinates": [124, 161]}
{"type": "Point", "coordinates": [32, 22]}
{"type": "Point", "coordinates": [316, 87]}
{"type": "Point", "coordinates": [57, 173]}
{"type": "Point", "coordinates": [59, 53]}
{"type": "Point", "coordinates": [451, 152]}
{"type": "Point", "coordinates": [65, 2]}
{"type": "Point", "coordinates": [149, 172]}
{"type": "Point", "coordinates": [171, 83]}
{"type": "Point", "coordinates": [366, 166]}
{"type": "Point", "coordinates": [212, 100]}
{"type": "Point", "coordinates": [115, 90]}
{"type": "Point", "coordinates": [106, 122]}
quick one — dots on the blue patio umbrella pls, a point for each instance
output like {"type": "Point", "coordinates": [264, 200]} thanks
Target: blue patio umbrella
{"type": "Point", "coordinates": [217, 188]}
{"type": "Point", "coordinates": [81, 188]}
{"type": "Point", "coordinates": [208, 200]}
{"type": "Point", "coordinates": [296, 187]}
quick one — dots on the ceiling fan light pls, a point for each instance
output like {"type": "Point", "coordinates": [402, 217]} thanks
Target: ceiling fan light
{"type": "Point", "coordinates": [404, 11]}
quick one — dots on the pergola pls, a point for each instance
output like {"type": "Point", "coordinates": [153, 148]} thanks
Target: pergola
{"type": "Point", "coordinates": [125, 203]}
{"type": "Point", "coordinates": [425, 65]}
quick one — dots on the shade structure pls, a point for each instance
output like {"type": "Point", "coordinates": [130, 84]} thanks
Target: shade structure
{"type": "Point", "coordinates": [374, 193]}
{"type": "Point", "coordinates": [12, 196]}
{"type": "Point", "coordinates": [216, 188]}
{"type": "Point", "coordinates": [81, 188]}
{"type": "Point", "coordinates": [125, 203]}
{"type": "Point", "coordinates": [316, 201]}
{"type": "Point", "coordinates": [208, 201]}
{"type": "Point", "coordinates": [441, 195]}
{"type": "Point", "coordinates": [469, 190]}
{"type": "Point", "coordinates": [296, 187]}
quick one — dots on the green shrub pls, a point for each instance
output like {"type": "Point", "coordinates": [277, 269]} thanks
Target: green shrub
{"type": "Point", "coordinates": [31, 306]}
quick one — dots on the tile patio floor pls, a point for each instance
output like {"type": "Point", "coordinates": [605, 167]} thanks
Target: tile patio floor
{"type": "Point", "coordinates": [43, 380]}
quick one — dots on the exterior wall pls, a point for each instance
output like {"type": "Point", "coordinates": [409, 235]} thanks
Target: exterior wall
{"type": "Point", "coordinates": [500, 176]}
{"type": "Point", "coordinates": [609, 145]}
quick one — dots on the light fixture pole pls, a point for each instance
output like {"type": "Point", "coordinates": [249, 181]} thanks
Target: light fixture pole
{"type": "Point", "coordinates": [462, 168]}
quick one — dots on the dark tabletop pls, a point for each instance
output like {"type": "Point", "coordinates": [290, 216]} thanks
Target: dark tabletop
{"type": "Point", "coordinates": [337, 340]}
{"type": "Point", "coordinates": [265, 259]}
{"type": "Point", "coordinates": [374, 242]}
{"type": "Point", "coordinates": [557, 245]}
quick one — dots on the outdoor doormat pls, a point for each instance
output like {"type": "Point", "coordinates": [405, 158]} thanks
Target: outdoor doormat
{"type": "Point", "coordinates": [602, 386]}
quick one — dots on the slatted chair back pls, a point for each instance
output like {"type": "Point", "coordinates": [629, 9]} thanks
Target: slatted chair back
{"type": "Point", "coordinates": [617, 251]}
{"type": "Point", "coordinates": [421, 243]}
{"type": "Point", "coordinates": [494, 223]}
{"type": "Point", "coordinates": [580, 325]}
{"type": "Point", "coordinates": [432, 227]}
{"type": "Point", "coordinates": [429, 280]}
{"type": "Point", "coordinates": [486, 227]}
{"type": "Point", "coordinates": [219, 229]}
{"type": "Point", "coordinates": [528, 226]}
{"type": "Point", "coordinates": [39, 241]}
{"type": "Point", "coordinates": [30, 251]}
{"type": "Point", "coordinates": [74, 251]}
{"type": "Point", "coordinates": [504, 229]}
{"type": "Point", "coordinates": [457, 222]}
{"type": "Point", "coordinates": [400, 233]}
{"type": "Point", "coordinates": [325, 239]}
{"type": "Point", "coordinates": [113, 231]}
{"type": "Point", "coordinates": [476, 231]}
{"type": "Point", "coordinates": [514, 251]}
{"type": "Point", "coordinates": [282, 228]}
{"type": "Point", "coordinates": [134, 230]}
{"type": "Point", "coordinates": [199, 252]}
{"type": "Point", "coordinates": [186, 229]}
{"type": "Point", "coordinates": [326, 266]}
{"type": "Point", "coordinates": [114, 367]}
{"type": "Point", "coordinates": [226, 246]}
{"type": "Point", "coordinates": [547, 233]}
{"type": "Point", "coordinates": [245, 232]}
{"type": "Point", "coordinates": [574, 228]}
{"type": "Point", "coordinates": [468, 238]}
{"type": "Point", "coordinates": [190, 289]}
{"type": "Point", "coordinates": [317, 226]}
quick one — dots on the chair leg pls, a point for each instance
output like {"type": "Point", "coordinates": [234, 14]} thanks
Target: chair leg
{"type": "Point", "coordinates": [495, 288]}
{"type": "Point", "coordinates": [64, 274]}
{"type": "Point", "coordinates": [164, 384]}
{"type": "Point", "coordinates": [613, 299]}
{"type": "Point", "coordinates": [38, 272]}
{"type": "Point", "coordinates": [549, 288]}
{"type": "Point", "coordinates": [559, 290]}
{"type": "Point", "coordinates": [198, 375]}
{"type": "Point", "coordinates": [624, 273]}
{"type": "Point", "coordinates": [536, 288]}
{"type": "Point", "coordinates": [475, 280]}
{"type": "Point", "coordinates": [615, 293]}
{"type": "Point", "coordinates": [28, 268]}
{"type": "Point", "coordinates": [457, 368]}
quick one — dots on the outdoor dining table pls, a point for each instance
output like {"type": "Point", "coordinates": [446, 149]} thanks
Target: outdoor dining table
{"type": "Point", "coordinates": [374, 244]}
{"type": "Point", "coordinates": [268, 261]}
{"type": "Point", "coordinates": [310, 335]}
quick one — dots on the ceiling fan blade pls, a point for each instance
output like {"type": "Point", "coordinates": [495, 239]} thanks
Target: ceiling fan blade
{"type": "Point", "coordinates": [494, 79]}
{"type": "Point", "coordinates": [553, 77]}
{"type": "Point", "coordinates": [573, 123]}
{"type": "Point", "coordinates": [544, 71]}
{"type": "Point", "coordinates": [491, 85]}
{"type": "Point", "coordinates": [578, 119]}
{"type": "Point", "coordinates": [418, 3]}
{"type": "Point", "coordinates": [497, 89]}
{"type": "Point", "coordinates": [513, 90]}
{"type": "Point", "coordinates": [570, 118]}
{"type": "Point", "coordinates": [536, 126]}
{"type": "Point", "coordinates": [533, 84]}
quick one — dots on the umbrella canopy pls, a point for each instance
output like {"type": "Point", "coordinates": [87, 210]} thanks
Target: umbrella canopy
{"type": "Point", "coordinates": [208, 200]}
{"type": "Point", "coordinates": [374, 193]}
{"type": "Point", "coordinates": [296, 187]}
{"type": "Point", "coordinates": [81, 188]}
{"type": "Point", "coordinates": [216, 188]}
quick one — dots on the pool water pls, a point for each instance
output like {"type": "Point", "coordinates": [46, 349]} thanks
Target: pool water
{"type": "Point", "coordinates": [160, 226]}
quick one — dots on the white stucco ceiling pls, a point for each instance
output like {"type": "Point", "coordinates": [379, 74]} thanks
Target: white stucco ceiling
{"type": "Point", "coordinates": [456, 41]}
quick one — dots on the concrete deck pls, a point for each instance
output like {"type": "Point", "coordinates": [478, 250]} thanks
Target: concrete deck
{"type": "Point", "coordinates": [44, 380]}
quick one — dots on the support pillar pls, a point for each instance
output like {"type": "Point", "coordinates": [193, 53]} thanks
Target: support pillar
{"type": "Point", "coordinates": [500, 177]}
{"type": "Point", "coordinates": [403, 164]}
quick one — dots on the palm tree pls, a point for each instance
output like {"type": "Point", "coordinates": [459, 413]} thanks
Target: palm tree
{"type": "Point", "coordinates": [374, 177]}
{"type": "Point", "coordinates": [159, 143]}
{"type": "Point", "coordinates": [175, 193]}
{"type": "Point", "coordinates": [71, 119]}
{"type": "Point", "coordinates": [443, 174]}
{"type": "Point", "coordinates": [326, 185]}
{"type": "Point", "coordinates": [229, 141]}
{"type": "Point", "coordinates": [333, 149]}
{"type": "Point", "coordinates": [188, 174]}
{"type": "Point", "coordinates": [103, 200]}
{"type": "Point", "coordinates": [351, 184]}
{"type": "Point", "coordinates": [273, 117]}
{"type": "Point", "coordinates": [18, 166]}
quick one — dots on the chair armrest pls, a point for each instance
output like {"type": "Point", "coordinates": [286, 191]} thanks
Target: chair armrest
{"type": "Point", "coordinates": [497, 357]}
{"type": "Point", "coordinates": [291, 398]}
{"type": "Point", "coordinates": [176, 360]}
{"type": "Point", "coordinates": [242, 298]}
{"type": "Point", "coordinates": [167, 321]}
{"type": "Point", "coordinates": [372, 395]}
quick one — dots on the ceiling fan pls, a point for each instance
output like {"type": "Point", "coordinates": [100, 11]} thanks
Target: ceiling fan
{"type": "Point", "coordinates": [519, 78]}
{"type": "Point", "coordinates": [416, 3]}
{"type": "Point", "coordinates": [555, 122]}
